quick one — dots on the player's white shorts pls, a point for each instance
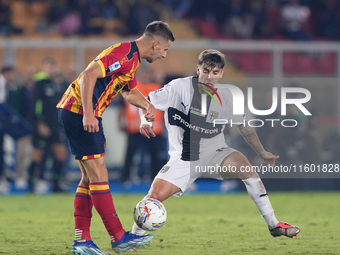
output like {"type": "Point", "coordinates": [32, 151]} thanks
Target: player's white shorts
{"type": "Point", "coordinates": [183, 173]}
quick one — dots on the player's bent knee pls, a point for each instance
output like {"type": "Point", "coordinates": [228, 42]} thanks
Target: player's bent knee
{"type": "Point", "coordinates": [246, 174]}
{"type": "Point", "coordinates": [85, 182]}
{"type": "Point", "coordinates": [160, 195]}
{"type": "Point", "coordinates": [161, 190]}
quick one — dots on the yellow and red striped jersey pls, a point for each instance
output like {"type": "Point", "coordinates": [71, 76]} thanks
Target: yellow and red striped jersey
{"type": "Point", "coordinates": [119, 64]}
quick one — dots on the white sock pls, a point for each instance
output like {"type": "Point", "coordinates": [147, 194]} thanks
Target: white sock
{"type": "Point", "coordinates": [137, 230]}
{"type": "Point", "coordinates": [258, 194]}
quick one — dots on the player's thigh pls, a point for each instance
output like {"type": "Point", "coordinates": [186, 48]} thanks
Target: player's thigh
{"type": "Point", "coordinates": [95, 169]}
{"type": "Point", "coordinates": [177, 173]}
{"type": "Point", "coordinates": [236, 165]}
{"type": "Point", "coordinates": [162, 189]}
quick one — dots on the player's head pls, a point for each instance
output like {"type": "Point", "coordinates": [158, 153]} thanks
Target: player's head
{"type": "Point", "coordinates": [210, 66]}
{"type": "Point", "coordinates": [8, 73]}
{"type": "Point", "coordinates": [49, 65]}
{"type": "Point", "coordinates": [160, 38]}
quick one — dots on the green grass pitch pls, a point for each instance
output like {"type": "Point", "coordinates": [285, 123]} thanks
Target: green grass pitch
{"type": "Point", "coordinates": [196, 224]}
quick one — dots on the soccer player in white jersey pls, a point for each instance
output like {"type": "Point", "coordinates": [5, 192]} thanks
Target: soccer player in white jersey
{"type": "Point", "coordinates": [195, 141]}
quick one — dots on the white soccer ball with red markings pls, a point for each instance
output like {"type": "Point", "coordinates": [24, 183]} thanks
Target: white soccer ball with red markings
{"type": "Point", "coordinates": [149, 214]}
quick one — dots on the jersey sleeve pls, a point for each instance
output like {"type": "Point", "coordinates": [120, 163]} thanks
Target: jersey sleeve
{"type": "Point", "coordinates": [239, 119]}
{"type": "Point", "coordinates": [111, 63]}
{"type": "Point", "coordinates": [131, 85]}
{"type": "Point", "coordinates": [162, 97]}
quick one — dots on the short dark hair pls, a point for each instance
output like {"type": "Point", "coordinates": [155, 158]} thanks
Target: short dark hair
{"type": "Point", "coordinates": [211, 58]}
{"type": "Point", "coordinates": [159, 28]}
{"type": "Point", "coordinates": [6, 69]}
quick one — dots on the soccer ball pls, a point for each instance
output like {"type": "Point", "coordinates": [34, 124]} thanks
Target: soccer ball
{"type": "Point", "coordinates": [149, 214]}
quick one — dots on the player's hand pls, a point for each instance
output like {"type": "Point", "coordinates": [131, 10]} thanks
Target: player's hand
{"type": "Point", "coordinates": [268, 157]}
{"type": "Point", "coordinates": [147, 130]}
{"type": "Point", "coordinates": [43, 130]}
{"type": "Point", "coordinates": [90, 123]}
{"type": "Point", "coordinates": [150, 114]}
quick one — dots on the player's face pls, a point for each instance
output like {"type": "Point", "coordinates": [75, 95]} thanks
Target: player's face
{"type": "Point", "coordinates": [10, 76]}
{"type": "Point", "coordinates": [159, 50]}
{"type": "Point", "coordinates": [209, 75]}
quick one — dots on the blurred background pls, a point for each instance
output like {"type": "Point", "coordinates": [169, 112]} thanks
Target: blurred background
{"type": "Point", "coordinates": [267, 43]}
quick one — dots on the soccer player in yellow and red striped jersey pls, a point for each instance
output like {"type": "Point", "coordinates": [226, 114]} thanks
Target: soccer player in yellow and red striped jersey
{"type": "Point", "coordinates": [80, 111]}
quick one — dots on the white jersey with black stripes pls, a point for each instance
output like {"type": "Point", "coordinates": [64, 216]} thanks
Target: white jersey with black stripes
{"type": "Point", "coordinates": [190, 132]}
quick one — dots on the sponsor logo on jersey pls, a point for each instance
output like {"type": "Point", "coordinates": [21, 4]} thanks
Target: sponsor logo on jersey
{"type": "Point", "coordinates": [182, 122]}
{"type": "Point", "coordinates": [196, 111]}
{"type": "Point", "coordinates": [114, 66]}
{"type": "Point", "coordinates": [158, 90]}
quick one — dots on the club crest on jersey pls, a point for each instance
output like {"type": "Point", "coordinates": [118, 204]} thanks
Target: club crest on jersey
{"type": "Point", "coordinates": [114, 66]}
{"type": "Point", "coordinates": [213, 115]}
{"type": "Point", "coordinates": [164, 169]}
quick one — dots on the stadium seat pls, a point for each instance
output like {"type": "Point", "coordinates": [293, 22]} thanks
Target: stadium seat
{"type": "Point", "coordinates": [304, 63]}
{"type": "Point", "coordinates": [326, 64]}
{"type": "Point", "coordinates": [289, 63]}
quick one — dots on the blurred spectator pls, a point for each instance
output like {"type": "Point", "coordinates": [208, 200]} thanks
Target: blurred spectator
{"type": "Point", "coordinates": [239, 23]}
{"type": "Point", "coordinates": [273, 13]}
{"type": "Point", "coordinates": [58, 10]}
{"type": "Point", "coordinates": [141, 13]}
{"type": "Point", "coordinates": [267, 131]}
{"type": "Point", "coordinates": [83, 7]}
{"type": "Point", "coordinates": [48, 89]}
{"type": "Point", "coordinates": [97, 16]}
{"type": "Point", "coordinates": [71, 73]}
{"type": "Point", "coordinates": [178, 8]}
{"type": "Point", "coordinates": [7, 75]}
{"type": "Point", "coordinates": [218, 19]}
{"type": "Point", "coordinates": [6, 26]}
{"type": "Point", "coordinates": [331, 149]}
{"type": "Point", "coordinates": [61, 18]}
{"type": "Point", "coordinates": [129, 121]}
{"type": "Point", "coordinates": [328, 24]}
{"type": "Point", "coordinates": [297, 145]}
{"type": "Point", "coordinates": [240, 26]}
{"type": "Point", "coordinates": [207, 18]}
{"type": "Point", "coordinates": [70, 24]}
{"type": "Point", "coordinates": [294, 18]}
{"type": "Point", "coordinates": [20, 99]}
{"type": "Point", "coordinates": [259, 19]}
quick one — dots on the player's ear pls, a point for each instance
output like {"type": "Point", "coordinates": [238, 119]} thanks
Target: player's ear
{"type": "Point", "coordinates": [222, 72]}
{"type": "Point", "coordinates": [155, 44]}
{"type": "Point", "coordinates": [198, 70]}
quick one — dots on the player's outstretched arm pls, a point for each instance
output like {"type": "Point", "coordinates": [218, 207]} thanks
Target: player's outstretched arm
{"type": "Point", "coordinates": [249, 134]}
{"type": "Point", "coordinates": [87, 83]}
{"type": "Point", "coordinates": [137, 99]}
